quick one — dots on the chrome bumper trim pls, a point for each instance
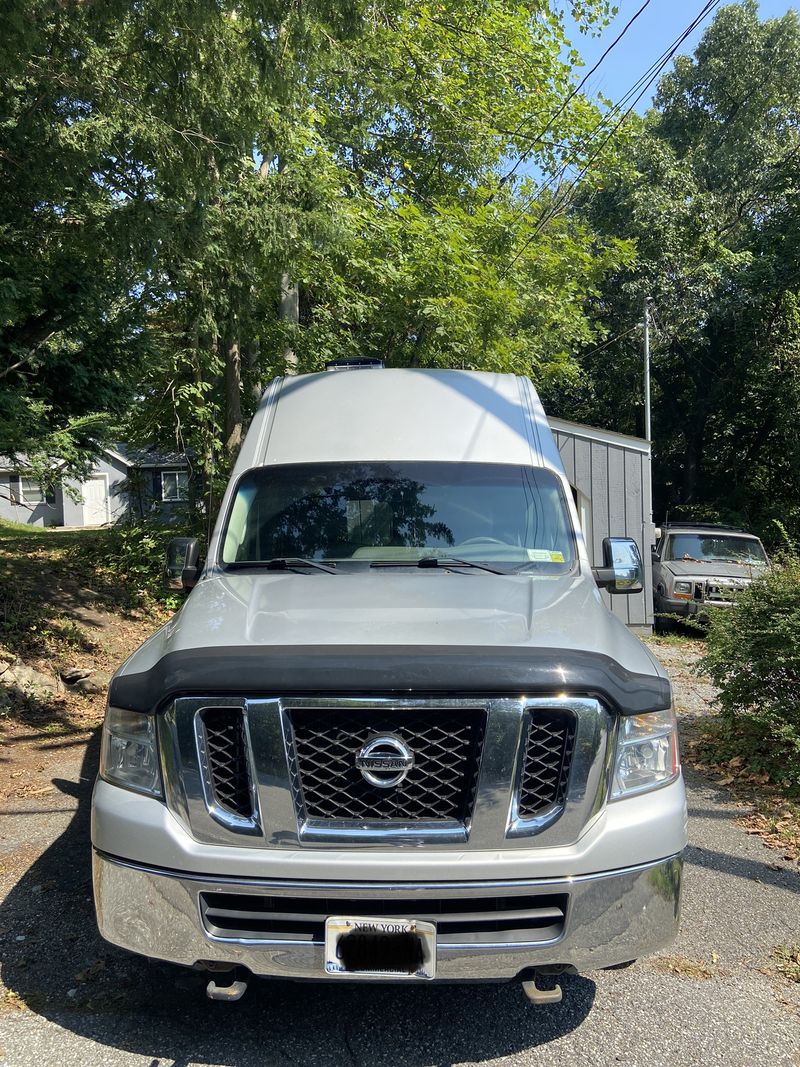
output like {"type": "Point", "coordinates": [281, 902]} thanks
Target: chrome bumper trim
{"type": "Point", "coordinates": [612, 917]}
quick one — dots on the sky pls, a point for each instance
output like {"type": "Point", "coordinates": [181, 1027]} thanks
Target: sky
{"type": "Point", "coordinates": [661, 23]}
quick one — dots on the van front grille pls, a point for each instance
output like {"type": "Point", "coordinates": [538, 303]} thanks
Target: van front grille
{"type": "Point", "coordinates": [226, 753]}
{"type": "Point", "coordinates": [445, 743]}
{"type": "Point", "coordinates": [546, 764]}
{"type": "Point", "coordinates": [509, 919]}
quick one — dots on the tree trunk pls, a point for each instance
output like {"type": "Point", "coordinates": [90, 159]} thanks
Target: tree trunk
{"type": "Point", "coordinates": [289, 311]}
{"type": "Point", "coordinates": [693, 467]}
{"type": "Point", "coordinates": [233, 396]}
{"type": "Point", "coordinates": [251, 359]}
{"type": "Point", "coordinates": [206, 431]}
{"type": "Point", "coordinates": [289, 306]}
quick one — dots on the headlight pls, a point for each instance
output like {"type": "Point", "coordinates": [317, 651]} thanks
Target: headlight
{"type": "Point", "coordinates": [129, 751]}
{"type": "Point", "coordinates": [647, 753]}
{"type": "Point", "coordinates": [682, 589]}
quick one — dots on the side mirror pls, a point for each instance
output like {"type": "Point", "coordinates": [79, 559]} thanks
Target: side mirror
{"type": "Point", "coordinates": [622, 570]}
{"type": "Point", "coordinates": [183, 565]}
{"type": "Point", "coordinates": [654, 556]}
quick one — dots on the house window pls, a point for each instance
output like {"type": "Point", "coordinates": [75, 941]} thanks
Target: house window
{"type": "Point", "coordinates": [31, 492]}
{"type": "Point", "coordinates": [174, 485]}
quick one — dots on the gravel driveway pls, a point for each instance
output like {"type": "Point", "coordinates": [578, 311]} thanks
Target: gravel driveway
{"type": "Point", "coordinates": [70, 999]}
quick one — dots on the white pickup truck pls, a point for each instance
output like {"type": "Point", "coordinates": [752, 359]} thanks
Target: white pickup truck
{"type": "Point", "coordinates": [393, 734]}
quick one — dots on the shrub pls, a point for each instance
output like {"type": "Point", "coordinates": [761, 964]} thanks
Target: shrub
{"type": "Point", "coordinates": [134, 556]}
{"type": "Point", "coordinates": [753, 657]}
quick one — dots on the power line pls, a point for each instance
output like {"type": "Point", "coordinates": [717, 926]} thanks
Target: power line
{"type": "Point", "coordinates": [610, 341]}
{"type": "Point", "coordinates": [656, 69]}
{"type": "Point", "coordinates": [643, 84]}
{"type": "Point", "coordinates": [524, 155]}
{"type": "Point", "coordinates": [644, 81]}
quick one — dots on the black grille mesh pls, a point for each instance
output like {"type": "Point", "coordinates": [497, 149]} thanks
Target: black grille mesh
{"type": "Point", "coordinates": [441, 785]}
{"type": "Point", "coordinates": [548, 754]}
{"type": "Point", "coordinates": [226, 750]}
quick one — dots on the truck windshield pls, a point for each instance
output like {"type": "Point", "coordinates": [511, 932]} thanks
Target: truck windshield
{"type": "Point", "coordinates": [401, 512]}
{"type": "Point", "coordinates": [719, 548]}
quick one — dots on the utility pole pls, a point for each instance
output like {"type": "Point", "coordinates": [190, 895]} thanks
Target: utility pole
{"type": "Point", "coordinates": [647, 426]}
{"type": "Point", "coordinates": [649, 531]}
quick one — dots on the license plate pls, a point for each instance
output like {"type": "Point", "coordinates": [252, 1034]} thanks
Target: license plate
{"type": "Point", "coordinates": [364, 947]}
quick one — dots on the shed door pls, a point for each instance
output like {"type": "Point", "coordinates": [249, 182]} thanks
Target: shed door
{"type": "Point", "coordinates": [95, 501]}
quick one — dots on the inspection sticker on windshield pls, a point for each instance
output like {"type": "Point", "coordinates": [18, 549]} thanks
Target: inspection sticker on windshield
{"type": "Point", "coordinates": [544, 555]}
{"type": "Point", "coordinates": [364, 947]}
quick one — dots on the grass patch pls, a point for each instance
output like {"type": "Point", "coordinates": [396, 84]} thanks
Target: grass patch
{"type": "Point", "coordinates": [64, 603]}
{"type": "Point", "coordinates": [685, 967]}
{"type": "Point", "coordinates": [675, 639]}
{"type": "Point", "coordinates": [787, 961]}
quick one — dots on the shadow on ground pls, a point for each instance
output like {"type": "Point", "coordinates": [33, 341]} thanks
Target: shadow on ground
{"type": "Point", "coordinates": [63, 971]}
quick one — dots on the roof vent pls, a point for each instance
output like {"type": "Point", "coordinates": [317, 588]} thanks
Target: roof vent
{"type": "Point", "coordinates": [354, 364]}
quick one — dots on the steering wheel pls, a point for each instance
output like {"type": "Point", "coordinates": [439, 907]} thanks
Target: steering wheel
{"type": "Point", "coordinates": [484, 541]}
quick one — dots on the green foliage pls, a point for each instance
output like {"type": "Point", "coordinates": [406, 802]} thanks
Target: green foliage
{"type": "Point", "coordinates": [711, 204]}
{"type": "Point", "coordinates": [132, 557]}
{"type": "Point", "coordinates": [181, 163]}
{"type": "Point", "coordinates": [753, 657]}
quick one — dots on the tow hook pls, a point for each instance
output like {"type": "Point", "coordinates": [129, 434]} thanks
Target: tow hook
{"type": "Point", "coordinates": [233, 990]}
{"type": "Point", "coordinates": [541, 996]}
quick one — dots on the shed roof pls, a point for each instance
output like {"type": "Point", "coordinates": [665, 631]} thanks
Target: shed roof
{"type": "Point", "coordinates": [594, 433]}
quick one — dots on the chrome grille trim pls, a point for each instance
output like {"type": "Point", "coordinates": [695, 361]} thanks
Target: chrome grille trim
{"type": "Point", "coordinates": [585, 787]}
{"type": "Point", "coordinates": [280, 823]}
{"type": "Point", "coordinates": [534, 918]}
{"type": "Point", "coordinates": [218, 807]}
{"type": "Point", "coordinates": [346, 831]}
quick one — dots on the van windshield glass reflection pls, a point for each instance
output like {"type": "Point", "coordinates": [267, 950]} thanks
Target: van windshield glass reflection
{"type": "Point", "coordinates": [401, 512]}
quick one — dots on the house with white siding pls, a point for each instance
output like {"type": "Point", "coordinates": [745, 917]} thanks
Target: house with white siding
{"type": "Point", "coordinates": [124, 485]}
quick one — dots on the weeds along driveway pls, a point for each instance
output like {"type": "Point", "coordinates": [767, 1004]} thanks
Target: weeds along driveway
{"type": "Point", "coordinates": [71, 999]}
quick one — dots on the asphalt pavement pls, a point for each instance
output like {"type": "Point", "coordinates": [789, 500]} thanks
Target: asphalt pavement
{"type": "Point", "coordinates": [73, 1001]}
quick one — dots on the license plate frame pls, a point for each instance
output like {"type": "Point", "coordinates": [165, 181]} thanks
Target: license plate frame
{"type": "Point", "coordinates": [410, 940]}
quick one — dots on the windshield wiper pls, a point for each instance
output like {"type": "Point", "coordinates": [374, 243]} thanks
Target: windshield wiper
{"type": "Point", "coordinates": [445, 561]}
{"type": "Point", "coordinates": [283, 563]}
{"type": "Point", "coordinates": [435, 561]}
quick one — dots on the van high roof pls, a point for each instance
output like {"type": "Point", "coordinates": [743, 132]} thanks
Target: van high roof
{"type": "Point", "coordinates": [379, 414]}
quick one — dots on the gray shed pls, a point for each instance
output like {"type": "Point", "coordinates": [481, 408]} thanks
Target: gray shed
{"type": "Point", "coordinates": [611, 479]}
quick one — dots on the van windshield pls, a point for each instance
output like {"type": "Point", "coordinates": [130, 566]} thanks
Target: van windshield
{"type": "Point", "coordinates": [400, 512]}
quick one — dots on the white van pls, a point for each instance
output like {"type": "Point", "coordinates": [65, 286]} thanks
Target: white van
{"type": "Point", "coordinates": [393, 734]}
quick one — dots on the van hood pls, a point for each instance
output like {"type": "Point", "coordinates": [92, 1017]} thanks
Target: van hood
{"type": "Point", "coordinates": [392, 630]}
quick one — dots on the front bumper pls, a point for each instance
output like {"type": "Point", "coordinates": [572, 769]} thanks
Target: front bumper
{"type": "Point", "coordinates": [667, 606]}
{"type": "Point", "coordinates": [612, 917]}
{"type": "Point", "coordinates": [697, 609]}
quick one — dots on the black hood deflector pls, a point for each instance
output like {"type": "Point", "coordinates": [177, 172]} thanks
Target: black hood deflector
{"type": "Point", "coordinates": [376, 670]}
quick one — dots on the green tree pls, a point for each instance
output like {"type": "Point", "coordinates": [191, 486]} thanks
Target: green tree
{"type": "Point", "coordinates": [180, 173]}
{"type": "Point", "coordinates": [377, 193]}
{"type": "Point", "coordinates": [712, 205]}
